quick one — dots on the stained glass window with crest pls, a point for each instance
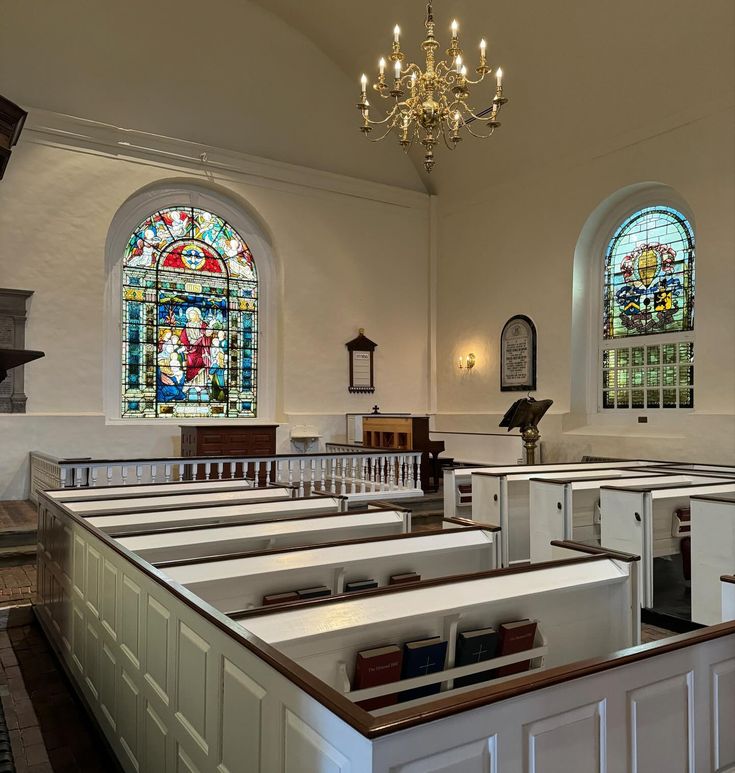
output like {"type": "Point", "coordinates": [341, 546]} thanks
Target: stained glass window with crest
{"type": "Point", "coordinates": [189, 318]}
{"type": "Point", "coordinates": [648, 296]}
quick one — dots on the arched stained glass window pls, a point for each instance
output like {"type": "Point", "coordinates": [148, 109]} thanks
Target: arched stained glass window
{"type": "Point", "coordinates": [648, 295]}
{"type": "Point", "coordinates": [190, 319]}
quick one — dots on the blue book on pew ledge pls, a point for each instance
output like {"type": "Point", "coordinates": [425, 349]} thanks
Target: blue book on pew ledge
{"type": "Point", "coordinates": [421, 657]}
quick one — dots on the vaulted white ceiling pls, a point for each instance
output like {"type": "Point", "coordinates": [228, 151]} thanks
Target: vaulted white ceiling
{"type": "Point", "coordinates": [581, 75]}
{"type": "Point", "coordinates": [279, 78]}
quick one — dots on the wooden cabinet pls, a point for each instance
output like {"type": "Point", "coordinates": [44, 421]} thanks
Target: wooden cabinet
{"type": "Point", "coordinates": [258, 440]}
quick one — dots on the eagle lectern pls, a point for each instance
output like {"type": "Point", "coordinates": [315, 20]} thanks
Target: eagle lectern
{"type": "Point", "coordinates": [525, 414]}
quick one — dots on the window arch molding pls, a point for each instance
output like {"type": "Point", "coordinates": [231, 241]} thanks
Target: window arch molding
{"type": "Point", "coordinates": [587, 304]}
{"type": "Point", "coordinates": [249, 225]}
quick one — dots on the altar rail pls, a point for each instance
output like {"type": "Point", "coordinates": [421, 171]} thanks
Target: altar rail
{"type": "Point", "coordinates": [358, 475]}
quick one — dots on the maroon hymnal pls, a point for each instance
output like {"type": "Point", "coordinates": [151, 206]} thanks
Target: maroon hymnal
{"type": "Point", "coordinates": [280, 598]}
{"type": "Point", "coordinates": [400, 579]}
{"type": "Point", "coordinates": [516, 637]}
{"type": "Point", "coordinates": [380, 665]}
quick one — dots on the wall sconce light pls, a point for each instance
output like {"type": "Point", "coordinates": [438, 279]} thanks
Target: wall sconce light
{"type": "Point", "coordinates": [468, 364]}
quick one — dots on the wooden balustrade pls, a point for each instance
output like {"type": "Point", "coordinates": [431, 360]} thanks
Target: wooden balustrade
{"type": "Point", "coordinates": [357, 474]}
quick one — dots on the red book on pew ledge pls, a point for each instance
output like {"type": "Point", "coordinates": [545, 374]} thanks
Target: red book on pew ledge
{"type": "Point", "coordinates": [402, 579]}
{"type": "Point", "coordinates": [380, 665]}
{"type": "Point", "coordinates": [280, 598]}
{"type": "Point", "coordinates": [516, 637]}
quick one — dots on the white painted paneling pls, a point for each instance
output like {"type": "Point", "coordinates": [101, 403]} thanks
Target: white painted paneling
{"type": "Point", "coordinates": [477, 757]}
{"type": "Point", "coordinates": [661, 726]}
{"type": "Point", "coordinates": [241, 697]}
{"type": "Point", "coordinates": [571, 741]}
{"type": "Point", "coordinates": [723, 714]}
{"type": "Point", "coordinates": [306, 750]}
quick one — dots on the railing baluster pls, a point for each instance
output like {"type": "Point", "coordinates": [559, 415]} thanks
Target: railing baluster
{"type": "Point", "coordinates": [268, 476]}
{"type": "Point", "coordinates": [167, 473]}
{"type": "Point", "coordinates": [138, 473]}
{"type": "Point", "coordinates": [301, 477]}
{"type": "Point", "coordinates": [93, 477]}
{"type": "Point", "coordinates": [124, 474]}
{"type": "Point", "coordinates": [220, 467]}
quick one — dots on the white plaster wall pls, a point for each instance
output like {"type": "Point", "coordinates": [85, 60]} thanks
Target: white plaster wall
{"type": "Point", "coordinates": [510, 250]}
{"type": "Point", "coordinates": [345, 261]}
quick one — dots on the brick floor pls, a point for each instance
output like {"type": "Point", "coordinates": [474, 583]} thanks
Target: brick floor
{"type": "Point", "coordinates": [49, 730]}
{"type": "Point", "coordinates": [17, 583]}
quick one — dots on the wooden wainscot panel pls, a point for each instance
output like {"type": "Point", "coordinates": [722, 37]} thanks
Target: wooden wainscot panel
{"type": "Point", "coordinates": [128, 717]}
{"type": "Point", "coordinates": [192, 684]}
{"type": "Point", "coordinates": [572, 740]}
{"type": "Point", "coordinates": [240, 740]}
{"type": "Point", "coordinates": [109, 599]}
{"type": "Point", "coordinates": [94, 572]}
{"type": "Point", "coordinates": [92, 654]}
{"type": "Point", "coordinates": [662, 726]}
{"type": "Point", "coordinates": [183, 763]}
{"type": "Point", "coordinates": [108, 686]}
{"type": "Point", "coordinates": [475, 757]}
{"type": "Point", "coordinates": [78, 566]}
{"type": "Point", "coordinates": [306, 750]}
{"type": "Point", "coordinates": [156, 741]}
{"type": "Point", "coordinates": [78, 638]}
{"type": "Point", "coordinates": [723, 714]}
{"type": "Point", "coordinates": [158, 648]}
{"type": "Point", "coordinates": [130, 621]}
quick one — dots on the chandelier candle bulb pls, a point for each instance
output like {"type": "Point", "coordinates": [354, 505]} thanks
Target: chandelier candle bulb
{"type": "Point", "coordinates": [455, 29]}
{"type": "Point", "coordinates": [396, 34]}
{"type": "Point", "coordinates": [397, 66]}
{"type": "Point", "coordinates": [458, 63]}
{"type": "Point", "coordinates": [363, 83]}
{"type": "Point", "coordinates": [499, 78]}
{"type": "Point", "coordinates": [381, 65]}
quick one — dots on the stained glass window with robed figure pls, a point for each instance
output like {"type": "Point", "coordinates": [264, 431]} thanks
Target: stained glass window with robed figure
{"type": "Point", "coordinates": [190, 319]}
{"type": "Point", "coordinates": [648, 296]}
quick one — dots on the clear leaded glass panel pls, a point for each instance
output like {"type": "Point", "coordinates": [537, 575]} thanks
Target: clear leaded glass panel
{"type": "Point", "coordinates": [190, 318]}
{"type": "Point", "coordinates": [626, 384]}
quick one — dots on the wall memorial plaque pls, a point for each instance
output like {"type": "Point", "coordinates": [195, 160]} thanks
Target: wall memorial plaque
{"type": "Point", "coordinates": [362, 374]}
{"type": "Point", "coordinates": [518, 355]}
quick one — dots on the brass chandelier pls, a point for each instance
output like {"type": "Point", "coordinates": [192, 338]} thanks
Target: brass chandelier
{"type": "Point", "coordinates": [431, 105]}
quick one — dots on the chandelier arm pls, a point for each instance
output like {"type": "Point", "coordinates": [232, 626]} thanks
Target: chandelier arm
{"type": "Point", "coordinates": [479, 136]}
{"type": "Point", "coordinates": [382, 137]}
{"type": "Point", "coordinates": [385, 120]}
{"type": "Point", "coordinates": [475, 82]}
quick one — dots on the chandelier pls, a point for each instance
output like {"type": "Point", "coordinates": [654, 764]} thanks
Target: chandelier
{"type": "Point", "coordinates": [431, 105]}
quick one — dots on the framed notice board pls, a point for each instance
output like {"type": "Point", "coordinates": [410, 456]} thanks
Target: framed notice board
{"type": "Point", "coordinates": [518, 355]}
{"type": "Point", "coordinates": [362, 371]}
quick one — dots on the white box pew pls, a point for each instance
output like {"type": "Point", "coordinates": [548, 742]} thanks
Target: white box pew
{"type": "Point", "coordinates": [568, 508]}
{"type": "Point", "coordinates": [585, 607]}
{"type": "Point", "coordinates": [247, 512]}
{"type": "Point", "coordinates": [717, 470]}
{"type": "Point", "coordinates": [501, 495]}
{"type": "Point", "coordinates": [456, 501]}
{"type": "Point", "coordinates": [88, 494]}
{"type": "Point", "coordinates": [641, 520]}
{"type": "Point", "coordinates": [236, 584]}
{"type": "Point", "coordinates": [167, 679]}
{"type": "Point", "coordinates": [150, 502]}
{"type": "Point", "coordinates": [712, 529]}
{"type": "Point", "coordinates": [175, 544]}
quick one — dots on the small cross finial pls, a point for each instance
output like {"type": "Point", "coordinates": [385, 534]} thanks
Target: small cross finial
{"type": "Point", "coordinates": [361, 331]}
